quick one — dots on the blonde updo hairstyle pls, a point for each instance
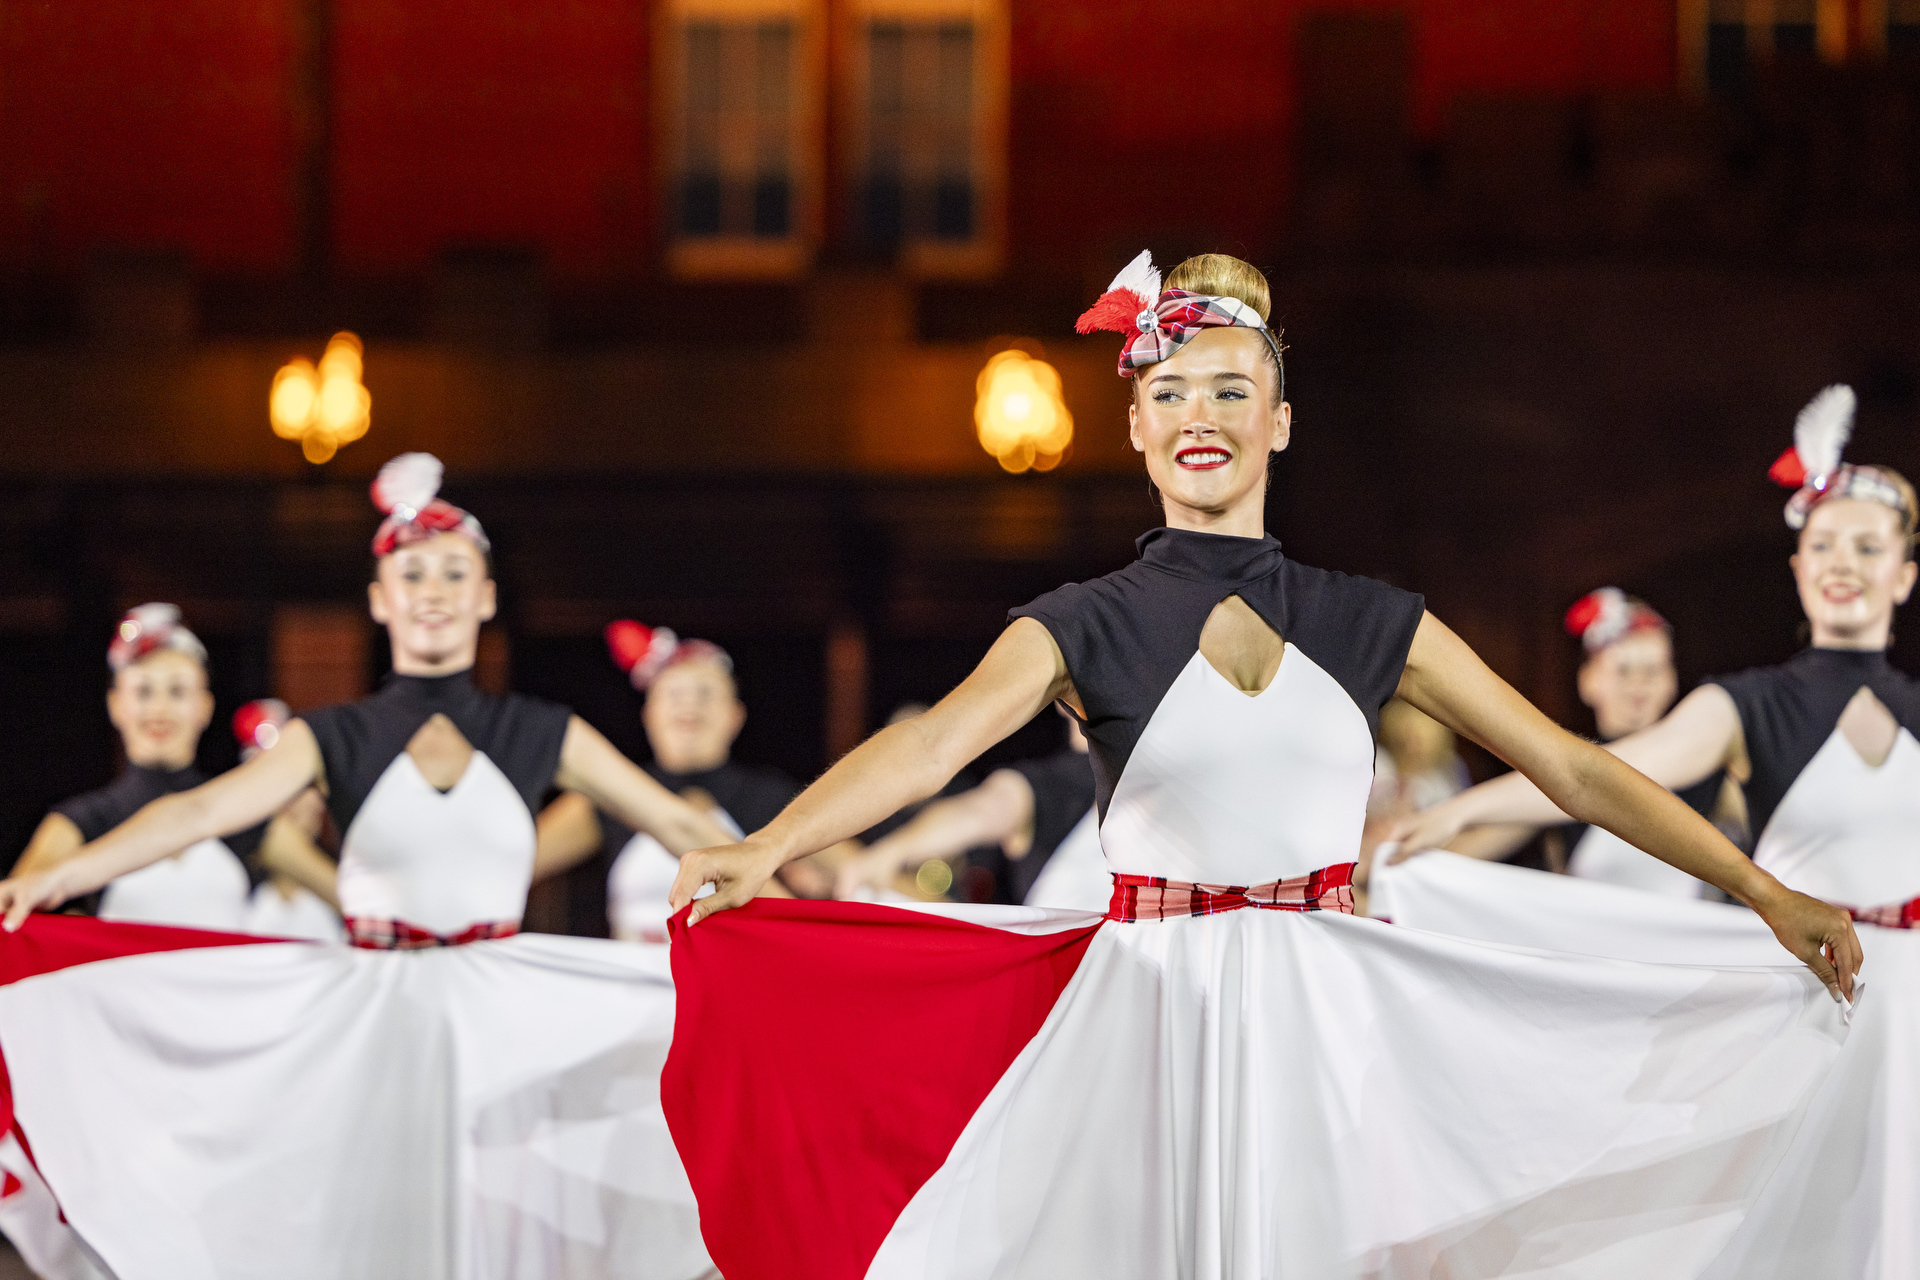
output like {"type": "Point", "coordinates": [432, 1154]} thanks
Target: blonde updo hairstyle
{"type": "Point", "coordinates": [1225, 276]}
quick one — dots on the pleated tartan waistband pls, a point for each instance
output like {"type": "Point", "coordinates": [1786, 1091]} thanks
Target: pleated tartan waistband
{"type": "Point", "coordinates": [372, 934]}
{"type": "Point", "coordinates": [1157, 898]}
{"type": "Point", "coordinates": [1895, 915]}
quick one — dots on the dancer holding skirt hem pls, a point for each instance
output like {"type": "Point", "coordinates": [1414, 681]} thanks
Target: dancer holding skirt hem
{"type": "Point", "coordinates": [1228, 1076]}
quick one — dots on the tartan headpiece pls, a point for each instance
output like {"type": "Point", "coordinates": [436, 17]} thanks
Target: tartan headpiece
{"type": "Point", "coordinates": [1156, 322]}
{"type": "Point", "coordinates": [1602, 617]}
{"type": "Point", "coordinates": [149, 628]}
{"type": "Point", "coordinates": [406, 490]}
{"type": "Point", "coordinates": [644, 652]}
{"type": "Point", "coordinates": [1813, 470]}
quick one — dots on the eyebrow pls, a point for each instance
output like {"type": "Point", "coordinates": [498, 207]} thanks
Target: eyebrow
{"type": "Point", "coordinates": [1181, 377]}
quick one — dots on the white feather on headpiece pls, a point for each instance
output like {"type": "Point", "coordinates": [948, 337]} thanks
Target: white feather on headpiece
{"type": "Point", "coordinates": [1140, 278]}
{"type": "Point", "coordinates": [1822, 430]}
{"type": "Point", "coordinates": [149, 619]}
{"type": "Point", "coordinates": [411, 480]}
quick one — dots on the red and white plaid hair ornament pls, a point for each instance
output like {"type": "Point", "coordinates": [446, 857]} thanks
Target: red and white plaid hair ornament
{"type": "Point", "coordinates": [149, 628]}
{"type": "Point", "coordinates": [1602, 617]}
{"type": "Point", "coordinates": [407, 490]}
{"type": "Point", "coordinates": [1156, 323]}
{"type": "Point", "coordinates": [1813, 470]}
{"type": "Point", "coordinates": [257, 726]}
{"type": "Point", "coordinates": [643, 652]}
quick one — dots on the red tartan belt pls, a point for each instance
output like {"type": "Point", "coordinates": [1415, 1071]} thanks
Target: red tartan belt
{"type": "Point", "coordinates": [397, 935]}
{"type": "Point", "coordinates": [1157, 898]}
{"type": "Point", "coordinates": [1895, 915]}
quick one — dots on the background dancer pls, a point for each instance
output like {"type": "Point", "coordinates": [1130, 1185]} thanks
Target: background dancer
{"type": "Point", "coordinates": [1628, 681]}
{"type": "Point", "coordinates": [439, 1093]}
{"type": "Point", "coordinates": [1033, 821]}
{"type": "Point", "coordinates": [692, 715]}
{"type": "Point", "coordinates": [160, 704]}
{"type": "Point", "coordinates": [1171, 1091]}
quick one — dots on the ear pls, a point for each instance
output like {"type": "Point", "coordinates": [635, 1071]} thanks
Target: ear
{"type": "Point", "coordinates": [489, 600]}
{"type": "Point", "coordinates": [1282, 426]}
{"type": "Point", "coordinates": [114, 703]}
{"type": "Point", "coordinates": [1133, 424]}
{"type": "Point", "coordinates": [377, 602]}
{"type": "Point", "coordinates": [1908, 572]}
{"type": "Point", "coordinates": [204, 716]}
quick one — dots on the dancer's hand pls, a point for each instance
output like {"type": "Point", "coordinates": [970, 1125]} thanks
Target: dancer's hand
{"type": "Point", "coordinates": [1424, 832]}
{"type": "Point", "coordinates": [1819, 933]}
{"type": "Point", "coordinates": [864, 874]}
{"type": "Point", "coordinates": [736, 872]}
{"type": "Point", "coordinates": [22, 896]}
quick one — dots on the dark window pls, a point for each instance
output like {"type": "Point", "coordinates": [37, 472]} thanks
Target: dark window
{"type": "Point", "coordinates": [736, 161]}
{"type": "Point", "coordinates": [918, 180]}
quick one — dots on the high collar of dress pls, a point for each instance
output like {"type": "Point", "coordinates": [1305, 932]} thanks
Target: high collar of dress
{"type": "Point", "coordinates": [1847, 662]}
{"type": "Point", "coordinates": [172, 779]}
{"type": "Point", "coordinates": [1209, 557]}
{"type": "Point", "coordinates": [436, 691]}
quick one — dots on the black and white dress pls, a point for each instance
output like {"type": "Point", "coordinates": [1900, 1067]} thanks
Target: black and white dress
{"type": "Point", "coordinates": [204, 886]}
{"type": "Point", "coordinates": [208, 1109]}
{"type": "Point", "coordinates": [1195, 1086]}
{"type": "Point", "coordinates": [1830, 824]}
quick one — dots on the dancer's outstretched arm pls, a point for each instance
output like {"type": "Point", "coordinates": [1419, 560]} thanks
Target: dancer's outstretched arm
{"type": "Point", "coordinates": [595, 768]}
{"type": "Point", "coordinates": [234, 801]}
{"type": "Point", "coordinates": [903, 763]}
{"type": "Point", "coordinates": [1696, 738]}
{"type": "Point", "coordinates": [1447, 680]}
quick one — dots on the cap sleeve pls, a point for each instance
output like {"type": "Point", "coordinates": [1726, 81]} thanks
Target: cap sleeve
{"type": "Point", "coordinates": [95, 813]}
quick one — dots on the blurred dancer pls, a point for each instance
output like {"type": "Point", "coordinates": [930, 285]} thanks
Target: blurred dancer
{"type": "Point", "coordinates": [1037, 815]}
{"type": "Point", "coordinates": [1219, 1078]}
{"type": "Point", "coordinates": [420, 1096]}
{"type": "Point", "coordinates": [299, 898]}
{"type": "Point", "coordinates": [160, 704]}
{"type": "Point", "coordinates": [692, 715]}
{"type": "Point", "coordinates": [1628, 681]}
{"type": "Point", "coordinates": [1825, 747]}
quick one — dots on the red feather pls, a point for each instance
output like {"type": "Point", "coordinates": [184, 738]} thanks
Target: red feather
{"type": "Point", "coordinates": [248, 719]}
{"type": "Point", "coordinates": [1585, 612]}
{"type": "Point", "coordinates": [1115, 310]}
{"type": "Point", "coordinates": [628, 642]}
{"type": "Point", "coordinates": [1788, 471]}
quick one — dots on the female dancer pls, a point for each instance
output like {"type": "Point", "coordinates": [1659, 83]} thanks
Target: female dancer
{"type": "Point", "coordinates": [160, 705]}
{"type": "Point", "coordinates": [1191, 1088]}
{"type": "Point", "coordinates": [1825, 745]}
{"type": "Point", "coordinates": [1628, 681]}
{"type": "Point", "coordinates": [692, 715]}
{"type": "Point", "coordinates": [413, 1107]}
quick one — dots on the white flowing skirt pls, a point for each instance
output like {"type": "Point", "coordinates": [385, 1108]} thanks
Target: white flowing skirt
{"type": "Point", "coordinates": [307, 1112]}
{"type": "Point", "coordinates": [1254, 1095]}
{"type": "Point", "coordinates": [1845, 1204]}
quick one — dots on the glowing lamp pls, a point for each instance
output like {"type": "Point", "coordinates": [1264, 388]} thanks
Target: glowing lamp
{"type": "Point", "coordinates": [322, 407]}
{"type": "Point", "coordinates": [1019, 415]}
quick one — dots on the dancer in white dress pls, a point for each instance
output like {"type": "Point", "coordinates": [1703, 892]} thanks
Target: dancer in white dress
{"type": "Point", "coordinates": [1628, 681]}
{"type": "Point", "coordinates": [1230, 1075]}
{"type": "Point", "coordinates": [442, 1100]}
{"type": "Point", "coordinates": [1825, 745]}
{"type": "Point", "coordinates": [692, 714]}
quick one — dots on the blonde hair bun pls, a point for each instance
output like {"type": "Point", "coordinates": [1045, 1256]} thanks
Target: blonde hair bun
{"type": "Point", "coordinates": [1224, 276]}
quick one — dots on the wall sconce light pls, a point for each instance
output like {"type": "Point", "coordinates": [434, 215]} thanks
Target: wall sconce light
{"type": "Point", "coordinates": [1020, 417]}
{"type": "Point", "coordinates": [325, 407]}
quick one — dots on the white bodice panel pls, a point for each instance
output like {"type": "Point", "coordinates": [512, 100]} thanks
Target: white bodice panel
{"type": "Point", "coordinates": [1603, 856]}
{"type": "Point", "coordinates": [201, 887]}
{"type": "Point", "coordinates": [1849, 832]}
{"type": "Point", "coordinates": [1227, 788]}
{"type": "Point", "coordinates": [439, 861]}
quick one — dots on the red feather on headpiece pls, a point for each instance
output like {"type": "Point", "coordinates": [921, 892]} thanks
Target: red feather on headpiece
{"type": "Point", "coordinates": [1788, 470]}
{"type": "Point", "coordinates": [628, 642]}
{"type": "Point", "coordinates": [1135, 289]}
{"type": "Point", "coordinates": [1584, 613]}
